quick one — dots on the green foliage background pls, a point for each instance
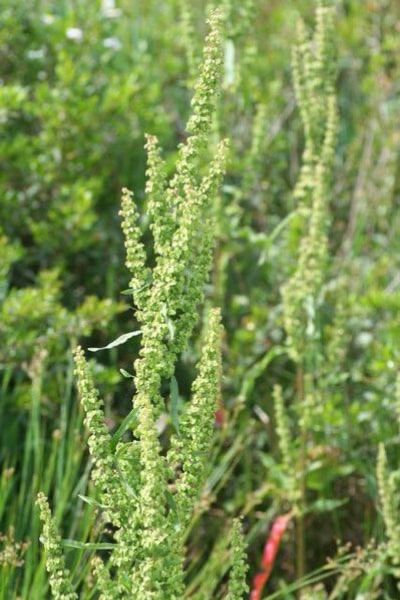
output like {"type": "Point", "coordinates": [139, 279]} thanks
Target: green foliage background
{"type": "Point", "coordinates": [81, 84]}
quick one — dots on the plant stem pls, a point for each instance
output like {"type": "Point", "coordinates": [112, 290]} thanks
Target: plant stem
{"type": "Point", "coordinates": [300, 534]}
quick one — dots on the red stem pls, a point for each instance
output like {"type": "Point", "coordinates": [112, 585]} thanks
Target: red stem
{"type": "Point", "coordinates": [269, 555]}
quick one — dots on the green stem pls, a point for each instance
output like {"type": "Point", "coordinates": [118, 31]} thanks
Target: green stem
{"type": "Point", "coordinates": [300, 533]}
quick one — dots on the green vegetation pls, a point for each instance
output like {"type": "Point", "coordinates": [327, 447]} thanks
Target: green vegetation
{"type": "Point", "coordinates": [240, 433]}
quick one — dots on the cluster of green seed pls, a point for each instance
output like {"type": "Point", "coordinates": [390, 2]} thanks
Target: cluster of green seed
{"type": "Point", "coordinates": [104, 473]}
{"type": "Point", "coordinates": [388, 484]}
{"type": "Point", "coordinates": [58, 573]}
{"type": "Point", "coordinates": [314, 68]}
{"type": "Point", "coordinates": [314, 72]}
{"type": "Point", "coordinates": [237, 582]}
{"type": "Point", "coordinates": [190, 448]}
{"type": "Point", "coordinates": [181, 223]}
{"type": "Point", "coordinates": [188, 37]}
{"type": "Point", "coordinates": [146, 496]}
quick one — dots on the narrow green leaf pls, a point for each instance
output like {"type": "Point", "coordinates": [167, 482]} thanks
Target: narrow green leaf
{"type": "Point", "coordinates": [268, 241]}
{"type": "Point", "coordinates": [91, 501]}
{"type": "Point", "coordinates": [170, 324]}
{"type": "Point", "coordinates": [174, 407]}
{"type": "Point", "coordinates": [126, 423]}
{"type": "Point", "coordinates": [87, 545]}
{"type": "Point", "coordinates": [171, 502]}
{"type": "Point", "coordinates": [126, 374]}
{"type": "Point", "coordinates": [120, 340]}
{"type": "Point", "coordinates": [326, 505]}
{"type": "Point", "coordinates": [131, 291]}
{"type": "Point", "coordinates": [126, 485]}
{"type": "Point", "coordinates": [258, 369]}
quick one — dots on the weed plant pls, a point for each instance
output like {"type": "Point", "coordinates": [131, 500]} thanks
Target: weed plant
{"type": "Point", "coordinates": [293, 234]}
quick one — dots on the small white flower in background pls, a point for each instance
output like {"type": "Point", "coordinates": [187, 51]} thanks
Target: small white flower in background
{"type": "Point", "coordinates": [364, 339]}
{"type": "Point", "coordinates": [113, 43]}
{"type": "Point", "coordinates": [48, 19]}
{"type": "Point", "coordinates": [75, 34]}
{"type": "Point", "coordinates": [109, 9]}
{"type": "Point", "coordinates": [35, 54]}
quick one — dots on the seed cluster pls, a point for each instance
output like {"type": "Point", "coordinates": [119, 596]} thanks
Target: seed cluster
{"type": "Point", "coordinates": [149, 497]}
{"type": "Point", "coordinates": [314, 74]}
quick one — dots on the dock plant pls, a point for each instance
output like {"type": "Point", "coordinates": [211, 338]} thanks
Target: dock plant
{"type": "Point", "coordinates": [314, 70]}
{"type": "Point", "coordinates": [314, 76]}
{"type": "Point", "coordinates": [146, 491]}
{"type": "Point", "coordinates": [130, 468]}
